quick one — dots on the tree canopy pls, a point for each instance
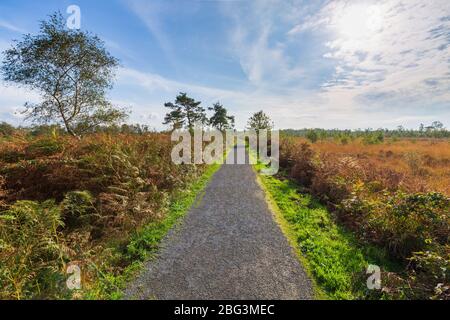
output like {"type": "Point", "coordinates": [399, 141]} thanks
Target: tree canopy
{"type": "Point", "coordinates": [260, 121]}
{"type": "Point", "coordinates": [185, 112]}
{"type": "Point", "coordinates": [72, 71]}
{"type": "Point", "coordinates": [220, 119]}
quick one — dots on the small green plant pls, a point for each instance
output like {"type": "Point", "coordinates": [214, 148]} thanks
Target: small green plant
{"type": "Point", "coordinates": [312, 136]}
{"type": "Point", "coordinates": [6, 129]}
{"type": "Point", "coordinates": [31, 250]}
{"type": "Point", "coordinates": [78, 208]}
{"type": "Point", "coordinates": [375, 137]}
{"type": "Point", "coordinates": [43, 148]}
{"type": "Point", "coordinates": [332, 254]}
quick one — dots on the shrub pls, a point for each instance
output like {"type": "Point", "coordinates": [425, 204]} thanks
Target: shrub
{"type": "Point", "coordinates": [32, 250]}
{"type": "Point", "coordinates": [6, 129]}
{"type": "Point", "coordinates": [312, 136]}
{"type": "Point", "coordinates": [376, 137]}
{"type": "Point", "coordinates": [407, 222]}
{"type": "Point", "coordinates": [288, 147]}
{"type": "Point", "coordinates": [43, 148]}
{"type": "Point", "coordinates": [431, 268]}
{"type": "Point", "coordinates": [303, 168]}
{"type": "Point", "coordinates": [78, 208]}
{"type": "Point", "coordinates": [392, 209]}
{"type": "Point", "coordinates": [105, 187]}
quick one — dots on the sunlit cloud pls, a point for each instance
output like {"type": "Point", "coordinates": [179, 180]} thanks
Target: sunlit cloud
{"type": "Point", "coordinates": [387, 52]}
{"type": "Point", "coordinates": [324, 63]}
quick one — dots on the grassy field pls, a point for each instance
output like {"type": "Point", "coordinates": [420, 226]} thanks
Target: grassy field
{"type": "Point", "coordinates": [352, 204]}
{"type": "Point", "coordinates": [102, 203]}
{"type": "Point", "coordinates": [424, 164]}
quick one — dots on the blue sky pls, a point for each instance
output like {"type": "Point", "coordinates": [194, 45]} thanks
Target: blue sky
{"type": "Point", "coordinates": [330, 64]}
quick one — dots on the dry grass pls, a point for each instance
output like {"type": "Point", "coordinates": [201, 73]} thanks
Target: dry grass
{"type": "Point", "coordinates": [393, 195]}
{"type": "Point", "coordinates": [95, 193]}
{"type": "Point", "coordinates": [425, 163]}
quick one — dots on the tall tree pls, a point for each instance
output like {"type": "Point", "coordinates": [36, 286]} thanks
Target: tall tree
{"type": "Point", "coordinates": [260, 121]}
{"type": "Point", "coordinates": [71, 69]}
{"type": "Point", "coordinates": [185, 111]}
{"type": "Point", "coordinates": [174, 117]}
{"type": "Point", "coordinates": [220, 119]}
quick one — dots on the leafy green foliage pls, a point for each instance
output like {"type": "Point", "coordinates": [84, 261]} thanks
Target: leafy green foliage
{"type": "Point", "coordinates": [260, 121]}
{"type": "Point", "coordinates": [220, 119]}
{"type": "Point", "coordinates": [6, 129]}
{"type": "Point", "coordinates": [312, 136]}
{"type": "Point", "coordinates": [371, 136]}
{"type": "Point", "coordinates": [185, 112]}
{"type": "Point", "coordinates": [145, 242]}
{"type": "Point", "coordinates": [413, 228]}
{"type": "Point", "coordinates": [106, 187]}
{"type": "Point", "coordinates": [333, 255]}
{"type": "Point", "coordinates": [43, 148]}
{"type": "Point", "coordinates": [78, 208]}
{"type": "Point", "coordinates": [31, 250]}
{"type": "Point", "coordinates": [71, 69]}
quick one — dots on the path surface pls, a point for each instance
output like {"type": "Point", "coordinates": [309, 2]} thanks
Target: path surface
{"type": "Point", "coordinates": [227, 247]}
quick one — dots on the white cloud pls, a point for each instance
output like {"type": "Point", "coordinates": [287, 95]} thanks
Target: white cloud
{"type": "Point", "coordinates": [387, 52]}
{"type": "Point", "coordinates": [9, 26]}
{"type": "Point", "coordinates": [262, 59]}
{"type": "Point", "coordinates": [12, 100]}
{"type": "Point", "coordinates": [386, 64]}
{"type": "Point", "coordinates": [149, 12]}
{"type": "Point", "coordinates": [389, 64]}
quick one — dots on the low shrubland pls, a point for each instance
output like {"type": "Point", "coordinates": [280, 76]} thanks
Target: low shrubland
{"type": "Point", "coordinates": [65, 201]}
{"type": "Point", "coordinates": [394, 196]}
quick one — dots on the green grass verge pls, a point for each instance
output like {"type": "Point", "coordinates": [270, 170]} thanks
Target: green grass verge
{"type": "Point", "coordinates": [146, 242]}
{"type": "Point", "coordinates": [331, 255]}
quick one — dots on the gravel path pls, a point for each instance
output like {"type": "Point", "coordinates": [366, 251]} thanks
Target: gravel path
{"type": "Point", "coordinates": [227, 247]}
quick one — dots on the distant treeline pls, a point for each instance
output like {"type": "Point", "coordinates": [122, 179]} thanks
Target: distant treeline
{"type": "Point", "coordinates": [7, 129]}
{"type": "Point", "coordinates": [370, 136]}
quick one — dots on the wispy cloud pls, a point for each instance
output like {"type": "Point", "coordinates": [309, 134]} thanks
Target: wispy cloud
{"type": "Point", "coordinates": [9, 26]}
{"type": "Point", "coordinates": [263, 57]}
{"type": "Point", "coordinates": [150, 13]}
{"type": "Point", "coordinates": [386, 52]}
{"type": "Point", "coordinates": [240, 102]}
{"type": "Point", "coordinates": [391, 63]}
{"type": "Point", "coordinates": [321, 63]}
{"type": "Point", "coordinates": [12, 100]}
{"type": "Point", "coordinates": [374, 61]}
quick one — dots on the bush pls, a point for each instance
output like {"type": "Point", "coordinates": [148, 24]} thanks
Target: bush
{"type": "Point", "coordinates": [373, 138]}
{"type": "Point", "coordinates": [390, 209]}
{"type": "Point", "coordinates": [408, 222]}
{"type": "Point", "coordinates": [432, 268]}
{"type": "Point", "coordinates": [105, 187]}
{"type": "Point", "coordinates": [32, 250]}
{"type": "Point", "coordinates": [43, 148]}
{"type": "Point", "coordinates": [78, 208]}
{"type": "Point", "coordinates": [303, 168]}
{"type": "Point", "coordinates": [312, 136]}
{"type": "Point", "coordinates": [6, 129]}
